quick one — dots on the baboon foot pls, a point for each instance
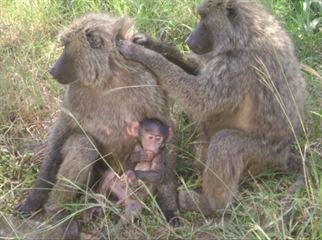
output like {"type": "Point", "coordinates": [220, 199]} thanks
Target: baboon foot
{"type": "Point", "coordinates": [172, 218]}
{"type": "Point", "coordinates": [294, 164]}
{"type": "Point", "coordinates": [90, 214]}
{"type": "Point", "coordinates": [70, 230]}
{"type": "Point", "coordinates": [191, 200]}
{"type": "Point", "coordinates": [27, 207]}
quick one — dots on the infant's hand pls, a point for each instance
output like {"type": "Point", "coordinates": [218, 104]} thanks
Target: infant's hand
{"type": "Point", "coordinates": [148, 155]}
{"type": "Point", "coordinates": [131, 177]}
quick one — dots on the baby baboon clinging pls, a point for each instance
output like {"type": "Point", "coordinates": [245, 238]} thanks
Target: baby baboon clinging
{"type": "Point", "coordinates": [103, 93]}
{"type": "Point", "coordinates": [151, 135]}
{"type": "Point", "coordinates": [247, 100]}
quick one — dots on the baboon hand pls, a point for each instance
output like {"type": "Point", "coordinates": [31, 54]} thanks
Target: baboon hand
{"type": "Point", "coordinates": [135, 52]}
{"type": "Point", "coordinates": [142, 39]}
{"type": "Point", "coordinates": [131, 177]}
{"type": "Point", "coordinates": [147, 156]}
{"type": "Point", "coordinates": [129, 50]}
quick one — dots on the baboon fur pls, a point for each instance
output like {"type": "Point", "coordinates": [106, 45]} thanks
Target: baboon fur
{"type": "Point", "coordinates": [247, 99]}
{"type": "Point", "coordinates": [103, 93]}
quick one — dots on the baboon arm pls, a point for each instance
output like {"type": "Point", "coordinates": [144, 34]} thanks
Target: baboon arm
{"type": "Point", "coordinates": [48, 171]}
{"type": "Point", "coordinates": [198, 95]}
{"type": "Point", "coordinates": [141, 156]}
{"type": "Point", "coordinates": [188, 64]}
{"type": "Point", "coordinates": [153, 177]}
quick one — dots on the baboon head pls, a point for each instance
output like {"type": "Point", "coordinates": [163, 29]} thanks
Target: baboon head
{"type": "Point", "coordinates": [90, 52]}
{"type": "Point", "coordinates": [219, 27]}
{"type": "Point", "coordinates": [151, 133]}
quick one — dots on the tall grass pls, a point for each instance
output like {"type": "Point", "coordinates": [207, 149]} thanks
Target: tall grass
{"type": "Point", "coordinates": [30, 99]}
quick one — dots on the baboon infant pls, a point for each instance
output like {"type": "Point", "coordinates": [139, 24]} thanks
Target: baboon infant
{"type": "Point", "coordinates": [246, 98]}
{"type": "Point", "coordinates": [151, 135]}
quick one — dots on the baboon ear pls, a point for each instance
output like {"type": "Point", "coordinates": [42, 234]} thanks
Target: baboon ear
{"type": "Point", "coordinates": [94, 40]}
{"type": "Point", "coordinates": [133, 129]}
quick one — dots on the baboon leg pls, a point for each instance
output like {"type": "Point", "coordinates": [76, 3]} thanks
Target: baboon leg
{"type": "Point", "coordinates": [132, 209]}
{"type": "Point", "coordinates": [232, 154]}
{"type": "Point", "coordinates": [201, 145]}
{"type": "Point", "coordinates": [49, 168]}
{"type": "Point", "coordinates": [167, 195]}
{"type": "Point", "coordinates": [75, 171]}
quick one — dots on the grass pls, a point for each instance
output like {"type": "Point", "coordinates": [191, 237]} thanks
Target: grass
{"type": "Point", "coordinates": [30, 98]}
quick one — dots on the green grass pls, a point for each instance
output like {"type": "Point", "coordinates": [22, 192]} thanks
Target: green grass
{"type": "Point", "coordinates": [30, 98]}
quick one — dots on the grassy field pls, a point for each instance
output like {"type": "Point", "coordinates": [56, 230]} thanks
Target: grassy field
{"type": "Point", "coordinates": [29, 101]}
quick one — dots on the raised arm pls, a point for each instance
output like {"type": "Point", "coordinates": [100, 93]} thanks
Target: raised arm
{"type": "Point", "coordinates": [200, 95]}
{"type": "Point", "coordinates": [187, 63]}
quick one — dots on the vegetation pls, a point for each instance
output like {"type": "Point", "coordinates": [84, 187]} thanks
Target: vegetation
{"type": "Point", "coordinates": [29, 101]}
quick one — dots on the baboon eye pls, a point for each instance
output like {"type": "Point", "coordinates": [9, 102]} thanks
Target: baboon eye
{"type": "Point", "coordinates": [94, 40]}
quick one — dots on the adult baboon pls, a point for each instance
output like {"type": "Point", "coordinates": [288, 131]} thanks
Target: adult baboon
{"type": "Point", "coordinates": [247, 100]}
{"type": "Point", "coordinates": [104, 92]}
